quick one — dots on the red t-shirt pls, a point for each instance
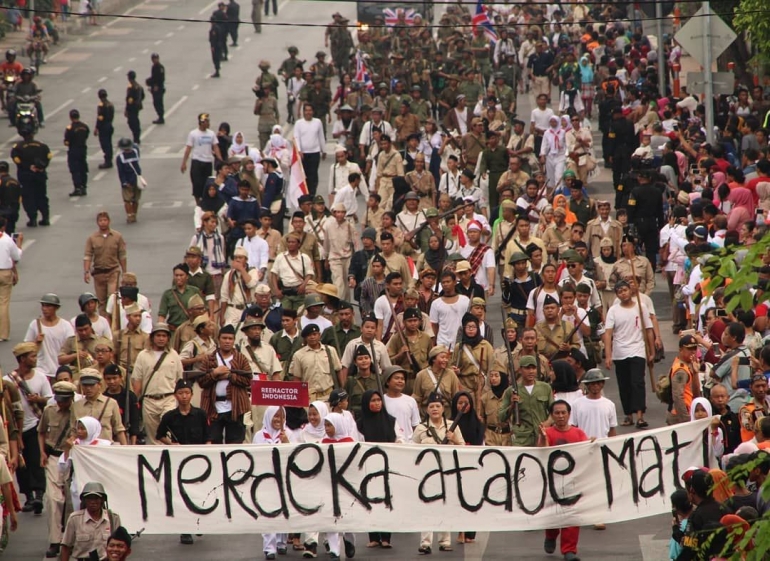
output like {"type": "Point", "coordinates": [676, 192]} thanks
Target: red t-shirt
{"type": "Point", "coordinates": [751, 185]}
{"type": "Point", "coordinates": [558, 437]}
{"type": "Point", "coordinates": [328, 440]}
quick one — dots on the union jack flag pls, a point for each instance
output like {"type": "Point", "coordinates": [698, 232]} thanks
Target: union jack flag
{"type": "Point", "coordinates": [362, 73]}
{"type": "Point", "coordinates": [481, 18]}
{"type": "Point", "coordinates": [392, 17]}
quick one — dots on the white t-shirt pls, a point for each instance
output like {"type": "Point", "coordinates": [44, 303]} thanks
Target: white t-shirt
{"type": "Point", "coordinates": [101, 327]}
{"type": "Point", "coordinates": [487, 261]}
{"type": "Point", "coordinates": [406, 412]}
{"type": "Point", "coordinates": [320, 321]}
{"type": "Point", "coordinates": [54, 338]}
{"type": "Point", "coordinates": [448, 317]}
{"type": "Point", "coordinates": [202, 144]}
{"type": "Point", "coordinates": [541, 117]}
{"type": "Point", "coordinates": [572, 320]}
{"type": "Point", "coordinates": [541, 294]}
{"type": "Point", "coordinates": [595, 416]}
{"type": "Point", "coordinates": [39, 385]}
{"type": "Point", "coordinates": [627, 339]}
{"type": "Point", "coordinates": [381, 311]}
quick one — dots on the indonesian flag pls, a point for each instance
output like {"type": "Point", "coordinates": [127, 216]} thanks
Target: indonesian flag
{"type": "Point", "coordinates": [481, 18]}
{"type": "Point", "coordinates": [297, 184]}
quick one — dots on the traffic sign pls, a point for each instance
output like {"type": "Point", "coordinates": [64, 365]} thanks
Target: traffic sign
{"type": "Point", "coordinates": [691, 36]}
{"type": "Point", "coordinates": [723, 83]}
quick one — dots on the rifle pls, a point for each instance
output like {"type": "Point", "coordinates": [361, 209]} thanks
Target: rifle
{"type": "Point", "coordinates": [37, 409]}
{"type": "Point", "coordinates": [416, 231]}
{"type": "Point", "coordinates": [192, 375]}
{"type": "Point", "coordinates": [453, 426]}
{"type": "Point", "coordinates": [128, 379]}
{"type": "Point", "coordinates": [503, 245]}
{"type": "Point", "coordinates": [400, 329]}
{"type": "Point", "coordinates": [458, 346]}
{"type": "Point", "coordinates": [647, 349]}
{"type": "Point", "coordinates": [569, 337]}
{"type": "Point", "coordinates": [375, 370]}
{"type": "Point", "coordinates": [511, 372]}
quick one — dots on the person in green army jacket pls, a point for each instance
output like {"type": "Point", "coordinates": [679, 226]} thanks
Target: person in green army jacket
{"type": "Point", "coordinates": [505, 94]}
{"type": "Point", "coordinates": [534, 399]}
{"type": "Point", "coordinates": [419, 106]}
{"type": "Point", "coordinates": [393, 108]}
{"type": "Point", "coordinates": [288, 65]}
{"type": "Point", "coordinates": [471, 88]}
{"type": "Point", "coordinates": [267, 78]}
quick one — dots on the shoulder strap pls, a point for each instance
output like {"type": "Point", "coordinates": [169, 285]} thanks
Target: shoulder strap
{"type": "Point", "coordinates": [65, 431]}
{"type": "Point", "coordinates": [253, 356]}
{"type": "Point", "coordinates": [154, 371]}
{"type": "Point", "coordinates": [179, 301]}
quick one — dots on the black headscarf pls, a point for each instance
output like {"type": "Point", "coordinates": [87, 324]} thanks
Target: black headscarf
{"type": "Point", "coordinates": [436, 258]}
{"type": "Point", "coordinates": [470, 426]}
{"type": "Point", "coordinates": [610, 259]}
{"type": "Point", "coordinates": [209, 203]}
{"type": "Point", "coordinates": [564, 377]}
{"type": "Point", "coordinates": [472, 341]}
{"type": "Point", "coordinates": [376, 427]}
{"type": "Point", "coordinates": [499, 389]}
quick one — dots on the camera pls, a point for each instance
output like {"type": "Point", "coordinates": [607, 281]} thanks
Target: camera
{"type": "Point", "coordinates": [259, 92]}
{"type": "Point", "coordinates": [721, 313]}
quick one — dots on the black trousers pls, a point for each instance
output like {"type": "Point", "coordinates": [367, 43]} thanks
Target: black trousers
{"type": "Point", "coordinates": [157, 103]}
{"type": "Point", "coordinates": [78, 166]}
{"type": "Point", "coordinates": [232, 29]}
{"type": "Point", "coordinates": [32, 476]}
{"type": "Point", "coordinates": [105, 141]}
{"type": "Point", "coordinates": [311, 162]}
{"type": "Point", "coordinates": [134, 125]}
{"type": "Point", "coordinates": [216, 57]}
{"type": "Point", "coordinates": [267, 7]}
{"type": "Point", "coordinates": [631, 385]}
{"type": "Point", "coordinates": [648, 234]}
{"type": "Point", "coordinates": [11, 215]}
{"type": "Point", "coordinates": [225, 426]}
{"type": "Point", "coordinates": [34, 194]}
{"type": "Point", "coordinates": [199, 173]}
{"type": "Point", "coordinates": [379, 536]}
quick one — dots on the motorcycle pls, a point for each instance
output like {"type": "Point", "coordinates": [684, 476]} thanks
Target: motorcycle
{"type": "Point", "coordinates": [36, 55]}
{"type": "Point", "coordinates": [26, 114]}
{"type": "Point", "coordinates": [8, 91]}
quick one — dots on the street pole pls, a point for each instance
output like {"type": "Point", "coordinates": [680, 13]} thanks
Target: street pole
{"type": "Point", "coordinates": [661, 58]}
{"type": "Point", "coordinates": [707, 74]}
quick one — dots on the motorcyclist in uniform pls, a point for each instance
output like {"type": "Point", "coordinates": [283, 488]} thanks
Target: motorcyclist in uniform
{"type": "Point", "coordinates": [29, 88]}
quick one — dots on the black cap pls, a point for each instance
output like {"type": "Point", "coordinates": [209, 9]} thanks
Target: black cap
{"type": "Point", "coordinates": [550, 300]}
{"type": "Point", "coordinates": [182, 384]}
{"type": "Point", "coordinates": [310, 329]}
{"type": "Point", "coordinates": [131, 75]}
{"type": "Point", "coordinates": [228, 329]}
{"type": "Point", "coordinates": [434, 397]}
{"type": "Point", "coordinates": [74, 114]}
{"type": "Point", "coordinates": [102, 93]}
{"type": "Point", "coordinates": [344, 306]}
{"type": "Point", "coordinates": [361, 351]}
{"type": "Point", "coordinates": [305, 199]}
{"type": "Point", "coordinates": [4, 166]}
{"type": "Point", "coordinates": [688, 341]}
{"type": "Point", "coordinates": [121, 534]}
{"type": "Point", "coordinates": [131, 292]}
{"type": "Point", "coordinates": [112, 369]}
{"type": "Point", "coordinates": [412, 313]}
{"type": "Point", "coordinates": [469, 174]}
{"type": "Point", "coordinates": [337, 395]}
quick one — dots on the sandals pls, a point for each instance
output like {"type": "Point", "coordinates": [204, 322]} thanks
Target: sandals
{"type": "Point", "coordinates": [445, 548]}
{"type": "Point", "coordinates": [424, 550]}
{"type": "Point", "coordinates": [642, 424]}
{"type": "Point", "coordinates": [373, 544]}
{"type": "Point", "coordinates": [627, 422]}
{"type": "Point", "coordinates": [386, 545]}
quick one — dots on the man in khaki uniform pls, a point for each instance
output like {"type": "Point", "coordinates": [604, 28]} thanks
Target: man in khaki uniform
{"type": "Point", "coordinates": [238, 287]}
{"type": "Point", "coordinates": [340, 241]}
{"type": "Point", "coordinates": [472, 144]}
{"type": "Point", "coordinates": [102, 408]}
{"type": "Point", "coordinates": [528, 347]}
{"type": "Point", "coordinates": [156, 371]}
{"type": "Point", "coordinates": [185, 332]}
{"type": "Point", "coordinates": [314, 363]}
{"type": "Point", "coordinates": [194, 354]}
{"type": "Point", "coordinates": [603, 227]}
{"type": "Point", "coordinates": [641, 266]}
{"type": "Point", "coordinates": [81, 353]}
{"type": "Point", "coordinates": [131, 341]}
{"type": "Point", "coordinates": [89, 528]}
{"type": "Point", "coordinates": [390, 164]}
{"type": "Point", "coordinates": [308, 242]}
{"type": "Point", "coordinates": [104, 258]}
{"type": "Point", "coordinates": [422, 182]}
{"type": "Point", "coordinates": [553, 334]}
{"type": "Point", "coordinates": [557, 234]}
{"type": "Point", "coordinates": [394, 262]}
{"type": "Point", "coordinates": [290, 274]}
{"type": "Point", "coordinates": [406, 123]}
{"type": "Point", "coordinates": [263, 361]}
{"type": "Point", "coordinates": [52, 432]}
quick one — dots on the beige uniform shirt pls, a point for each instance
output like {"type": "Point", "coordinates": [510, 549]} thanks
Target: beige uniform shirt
{"type": "Point", "coordinates": [312, 366]}
{"type": "Point", "coordinates": [500, 232]}
{"type": "Point", "coordinates": [642, 268]}
{"type": "Point", "coordinates": [105, 251]}
{"type": "Point", "coordinates": [273, 238]}
{"type": "Point", "coordinates": [103, 408]}
{"type": "Point", "coordinates": [339, 239]}
{"type": "Point", "coordinates": [309, 246]}
{"type": "Point", "coordinates": [515, 180]}
{"type": "Point", "coordinates": [556, 335]}
{"type": "Point", "coordinates": [236, 291]}
{"type": "Point", "coordinates": [395, 262]}
{"type": "Point", "coordinates": [373, 218]}
{"type": "Point", "coordinates": [53, 424]}
{"type": "Point", "coordinates": [262, 359]}
{"type": "Point", "coordinates": [388, 163]}
{"type": "Point", "coordinates": [68, 348]}
{"type": "Point", "coordinates": [196, 347]}
{"type": "Point", "coordinates": [595, 232]}
{"type": "Point", "coordinates": [83, 534]}
{"type": "Point", "coordinates": [287, 276]}
{"type": "Point", "coordinates": [164, 380]}
{"type": "Point", "coordinates": [138, 342]}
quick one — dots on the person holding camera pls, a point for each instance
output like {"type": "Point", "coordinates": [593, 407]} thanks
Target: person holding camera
{"type": "Point", "coordinates": [266, 108]}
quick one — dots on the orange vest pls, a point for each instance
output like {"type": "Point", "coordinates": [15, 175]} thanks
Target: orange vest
{"type": "Point", "coordinates": [688, 395]}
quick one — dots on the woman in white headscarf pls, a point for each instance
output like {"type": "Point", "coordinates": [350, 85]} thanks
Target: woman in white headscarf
{"type": "Point", "coordinates": [314, 431]}
{"type": "Point", "coordinates": [279, 148]}
{"type": "Point", "coordinates": [273, 432]}
{"type": "Point", "coordinates": [241, 149]}
{"type": "Point", "coordinates": [713, 435]}
{"type": "Point", "coordinates": [337, 432]}
{"type": "Point", "coordinates": [87, 433]}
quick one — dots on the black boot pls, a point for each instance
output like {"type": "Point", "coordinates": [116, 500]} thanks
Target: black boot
{"type": "Point", "coordinates": [53, 551]}
{"type": "Point", "coordinates": [105, 165]}
{"type": "Point", "coordinates": [28, 507]}
{"type": "Point", "coordinates": [44, 222]}
{"type": "Point", "coordinates": [75, 192]}
{"type": "Point", "coordinates": [37, 501]}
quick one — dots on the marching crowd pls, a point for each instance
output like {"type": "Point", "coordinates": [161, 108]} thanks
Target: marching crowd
{"type": "Point", "coordinates": [465, 199]}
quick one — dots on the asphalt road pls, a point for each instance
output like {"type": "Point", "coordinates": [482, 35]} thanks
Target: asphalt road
{"type": "Point", "coordinates": [52, 260]}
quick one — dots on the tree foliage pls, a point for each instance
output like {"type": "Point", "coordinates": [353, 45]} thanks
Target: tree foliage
{"type": "Point", "coordinates": [752, 17]}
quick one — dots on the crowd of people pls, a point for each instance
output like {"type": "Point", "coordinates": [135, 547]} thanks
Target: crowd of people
{"type": "Point", "coordinates": [466, 198]}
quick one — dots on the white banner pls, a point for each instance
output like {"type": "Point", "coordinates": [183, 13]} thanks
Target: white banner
{"type": "Point", "coordinates": [371, 487]}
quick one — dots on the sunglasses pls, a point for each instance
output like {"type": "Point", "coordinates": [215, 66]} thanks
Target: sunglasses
{"type": "Point", "coordinates": [572, 266]}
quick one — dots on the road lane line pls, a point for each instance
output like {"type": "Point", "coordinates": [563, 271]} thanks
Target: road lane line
{"type": "Point", "coordinates": [54, 219]}
{"type": "Point", "coordinates": [85, 90]}
{"type": "Point", "coordinates": [102, 79]}
{"type": "Point", "coordinates": [147, 131]}
{"type": "Point", "coordinates": [176, 106]}
{"type": "Point", "coordinates": [25, 245]}
{"type": "Point", "coordinates": [53, 56]}
{"type": "Point", "coordinates": [100, 175]}
{"type": "Point", "coordinates": [117, 69]}
{"type": "Point", "coordinates": [207, 8]}
{"type": "Point", "coordinates": [62, 106]}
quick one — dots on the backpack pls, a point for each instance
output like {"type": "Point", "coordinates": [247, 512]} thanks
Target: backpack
{"type": "Point", "coordinates": [663, 391]}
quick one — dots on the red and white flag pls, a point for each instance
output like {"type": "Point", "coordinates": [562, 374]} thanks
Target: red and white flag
{"type": "Point", "coordinates": [297, 183]}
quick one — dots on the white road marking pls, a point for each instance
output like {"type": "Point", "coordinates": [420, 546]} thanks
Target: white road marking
{"type": "Point", "coordinates": [53, 56]}
{"type": "Point", "coordinates": [169, 34]}
{"type": "Point", "coordinates": [102, 79]}
{"type": "Point", "coordinates": [132, 59]}
{"type": "Point", "coordinates": [180, 28]}
{"type": "Point", "coordinates": [207, 8]}
{"type": "Point", "coordinates": [117, 69]}
{"type": "Point", "coordinates": [144, 52]}
{"type": "Point", "coordinates": [147, 131]}
{"type": "Point", "coordinates": [195, 87]}
{"type": "Point", "coordinates": [86, 90]}
{"type": "Point", "coordinates": [158, 42]}
{"type": "Point", "coordinates": [62, 106]}
{"type": "Point", "coordinates": [54, 219]}
{"type": "Point", "coordinates": [161, 150]}
{"type": "Point", "coordinates": [25, 245]}
{"type": "Point", "coordinates": [476, 550]}
{"type": "Point", "coordinates": [127, 12]}
{"type": "Point", "coordinates": [162, 204]}
{"type": "Point", "coordinates": [100, 175]}
{"type": "Point", "coordinates": [176, 106]}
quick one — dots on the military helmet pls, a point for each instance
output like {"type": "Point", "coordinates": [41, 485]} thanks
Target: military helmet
{"type": "Point", "coordinates": [293, 50]}
{"type": "Point", "coordinates": [85, 298]}
{"type": "Point", "coordinates": [93, 488]}
{"type": "Point", "coordinates": [51, 299]}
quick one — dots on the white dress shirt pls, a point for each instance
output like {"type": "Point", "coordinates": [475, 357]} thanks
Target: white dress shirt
{"type": "Point", "coordinates": [10, 254]}
{"type": "Point", "coordinates": [259, 251]}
